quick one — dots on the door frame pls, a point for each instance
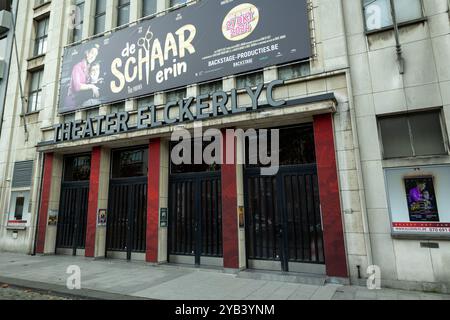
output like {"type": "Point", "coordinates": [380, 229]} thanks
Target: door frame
{"type": "Point", "coordinates": [196, 177]}
{"type": "Point", "coordinates": [131, 214]}
{"type": "Point", "coordinates": [75, 185]}
{"type": "Point", "coordinates": [70, 184]}
{"type": "Point", "coordinates": [281, 205]}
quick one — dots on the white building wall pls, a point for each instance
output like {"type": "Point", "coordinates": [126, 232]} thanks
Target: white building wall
{"type": "Point", "coordinates": [379, 89]}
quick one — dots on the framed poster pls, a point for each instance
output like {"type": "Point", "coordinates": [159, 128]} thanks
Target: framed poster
{"type": "Point", "coordinates": [102, 219]}
{"type": "Point", "coordinates": [164, 218]}
{"type": "Point", "coordinates": [52, 217]}
{"type": "Point", "coordinates": [419, 201]}
{"type": "Point", "coordinates": [421, 198]}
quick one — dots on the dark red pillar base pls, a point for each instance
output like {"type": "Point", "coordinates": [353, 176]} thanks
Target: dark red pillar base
{"type": "Point", "coordinates": [229, 207]}
{"type": "Point", "coordinates": [45, 198]}
{"type": "Point", "coordinates": [154, 165]}
{"type": "Point", "coordinates": [335, 256]}
{"type": "Point", "coordinates": [93, 202]}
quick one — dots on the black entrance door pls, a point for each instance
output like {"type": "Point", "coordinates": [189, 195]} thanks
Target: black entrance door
{"type": "Point", "coordinates": [283, 221]}
{"type": "Point", "coordinates": [283, 216]}
{"type": "Point", "coordinates": [127, 220]}
{"type": "Point", "coordinates": [195, 221]}
{"type": "Point", "coordinates": [73, 207]}
{"type": "Point", "coordinates": [127, 207]}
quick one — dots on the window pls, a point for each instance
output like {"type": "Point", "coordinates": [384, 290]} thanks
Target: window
{"type": "Point", "coordinates": [78, 26]}
{"type": "Point", "coordinates": [40, 2]}
{"type": "Point", "coordinates": [295, 71]}
{"type": "Point", "coordinates": [148, 7]}
{"type": "Point", "coordinates": [35, 92]}
{"type": "Point", "coordinates": [211, 87]}
{"type": "Point", "coordinates": [92, 113]}
{"type": "Point", "coordinates": [249, 80]}
{"type": "Point", "coordinates": [412, 135]}
{"type": "Point", "coordinates": [117, 107]}
{"type": "Point", "coordinates": [191, 167]}
{"type": "Point", "coordinates": [69, 117]}
{"type": "Point", "coordinates": [378, 12]}
{"type": "Point", "coordinates": [176, 95]}
{"type": "Point", "coordinates": [77, 168]}
{"type": "Point", "coordinates": [296, 146]}
{"type": "Point", "coordinates": [18, 211]}
{"type": "Point", "coordinates": [130, 163]}
{"type": "Point", "coordinates": [5, 5]}
{"type": "Point", "coordinates": [100, 16]}
{"type": "Point", "coordinates": [123, 12]}
{"type": "Point", "coordinates": [174, 3]}
{"type": "Point", "coordinates": [145, 102]}
{"type": "Point", "coordinates": [40, 44]}
{"type": "Point", "coordinates": [19, 206]}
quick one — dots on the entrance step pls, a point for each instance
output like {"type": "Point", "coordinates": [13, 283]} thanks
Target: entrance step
{"type": "Point", "coordinates": [291, 277]}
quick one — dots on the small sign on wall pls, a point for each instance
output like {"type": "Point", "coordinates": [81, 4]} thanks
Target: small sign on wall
{"type": "Point", "coordinates": [102, 218]}
{"type": "Point", "coordinates": [418, 198]}
{"type": "Point", "coordinates": [241, 217]}
{"type": "Point", "coordinates": [16, 225]}
{"type": "Point", "coordinates": [164, 218]}
{"type": "Point", "coordinates": [53, 217]}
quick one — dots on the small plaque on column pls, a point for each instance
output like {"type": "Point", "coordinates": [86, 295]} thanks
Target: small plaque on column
{"type": "Point", "coordinates": [164, 218]}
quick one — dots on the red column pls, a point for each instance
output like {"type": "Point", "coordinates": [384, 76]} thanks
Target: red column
{"type": "Point", "coordinates": [93, 202]}
{"type": "Point", "coordinates": [45, 198]}
{"type": "Point", "coordinates": [154, 159]}
{"type": "Point", "coordinates": [335, 256]}
{"type": "Point", "coordinates": [229, 206]}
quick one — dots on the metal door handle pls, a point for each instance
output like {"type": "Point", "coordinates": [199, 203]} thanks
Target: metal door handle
{"type": "Point", "coordinates": [280, 231]}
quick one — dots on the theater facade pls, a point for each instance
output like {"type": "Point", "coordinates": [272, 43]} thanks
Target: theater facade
{"type": "Point", "coordinates": [92, 170]}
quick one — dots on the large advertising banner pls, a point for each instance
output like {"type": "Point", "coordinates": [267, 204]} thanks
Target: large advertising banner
{"type": "Point", "coordinates": [205, 41]}
{"type": "Point", "coordinates": [418, 200]}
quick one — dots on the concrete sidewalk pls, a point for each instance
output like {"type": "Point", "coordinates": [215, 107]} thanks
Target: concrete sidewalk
{"type": "Point", "coordinates": [116, 279]}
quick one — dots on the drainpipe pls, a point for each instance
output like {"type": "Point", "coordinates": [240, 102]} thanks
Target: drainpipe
{"type": "Point", "coordinates": [19, 70]}
{"type": "Point", "coordinates": [398, 46]}
{"type": "Point", "coordinates": [9, 56]}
